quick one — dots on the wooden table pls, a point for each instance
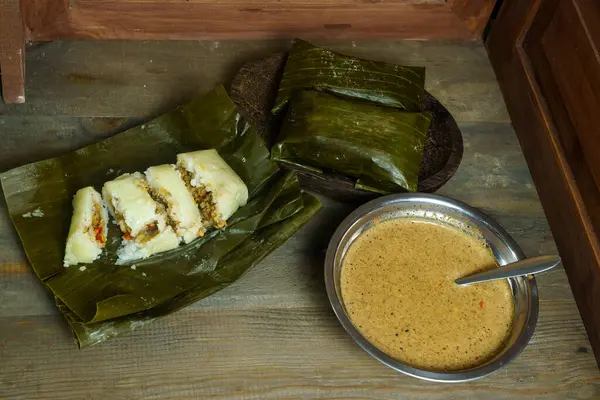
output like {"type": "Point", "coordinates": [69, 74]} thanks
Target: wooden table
{"type": "Point", "coordinates": [271, 335]}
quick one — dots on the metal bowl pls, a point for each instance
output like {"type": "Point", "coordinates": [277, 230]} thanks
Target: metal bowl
{"type": "Point", "coordinates": [447, 211]}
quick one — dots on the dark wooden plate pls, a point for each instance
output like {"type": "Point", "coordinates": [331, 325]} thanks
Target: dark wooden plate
{"type": "Point", "coordinates": [254, 89]}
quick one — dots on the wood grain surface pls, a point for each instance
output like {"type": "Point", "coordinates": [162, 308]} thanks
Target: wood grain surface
{"type": "Point", "coordinates": [272, 334]}
{"type": "Point", "coordinates": [474, 13]}
{"type": "Point", "coordinates": [69, 78]}
{"type": "Point", "coordinates": [264, 19]}
{"type": "Point", "coordinates": [12, 52]}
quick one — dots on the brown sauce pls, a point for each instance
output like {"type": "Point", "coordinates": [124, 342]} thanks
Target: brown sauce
{"type": "Point", "coordinates": [398, 288]}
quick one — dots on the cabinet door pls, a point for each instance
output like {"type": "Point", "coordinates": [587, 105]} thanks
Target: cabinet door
{"type": "Point", "coordinates": [546, 56]}
{"type": "Point", "coordinates": [563, 52]}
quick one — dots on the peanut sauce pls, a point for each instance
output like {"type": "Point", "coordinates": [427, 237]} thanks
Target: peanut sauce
{"type": "Point", "coordinates": [398, 288]}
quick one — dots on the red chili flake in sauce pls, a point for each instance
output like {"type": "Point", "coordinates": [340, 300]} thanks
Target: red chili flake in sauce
{"type": "Point", "coordinates": [99, 236]}
{"type": "Point", "coordinates": [481, 304]}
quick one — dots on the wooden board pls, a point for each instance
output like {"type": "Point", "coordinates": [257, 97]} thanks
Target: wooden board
{"type": "Point", "coordinates": [550, 80]}
{"type": "Point", "coordinates": [274, 353]}
{"type": "Point", "coordinates": [12, 52]}
{"type": "Point", "coordinates": [254, 88]}
{"type": "Point", "coordinates": [271, 335]}
{"type": "Point", "coordinates": [150, 77]}
{"type": "Point", "coordinates": [265, 19]}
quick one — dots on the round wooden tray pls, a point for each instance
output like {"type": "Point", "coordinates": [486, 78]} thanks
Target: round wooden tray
{"type": "Point", "coordinates": [254, 89]}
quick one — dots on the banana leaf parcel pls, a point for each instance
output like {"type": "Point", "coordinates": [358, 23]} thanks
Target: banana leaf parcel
{"type": "Point", "coordinates": [310, 67]}
{"type": "Point", "coordinates": [380, 146]}
{"type": "Point", "coordinates": [102, 300]}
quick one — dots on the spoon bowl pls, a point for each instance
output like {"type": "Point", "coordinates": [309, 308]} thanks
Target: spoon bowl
{"type": "Point", "coordinates": [441, 210]}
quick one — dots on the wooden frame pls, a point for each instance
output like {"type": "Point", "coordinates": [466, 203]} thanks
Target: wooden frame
{"type": "Point", "coordinates": [47, 20]}
{"type": "Point", "coordinates": [12, 52]}
{"type": "Point", "coordinates": [534, 57]}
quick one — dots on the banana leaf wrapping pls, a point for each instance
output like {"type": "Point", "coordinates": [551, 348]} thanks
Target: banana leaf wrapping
{"type": "Point", "coordinates": [104, 300]}
{"type": "Point", "coordinates": [380, 146]}
{"type": "Point", "coordinates": [310, 67]}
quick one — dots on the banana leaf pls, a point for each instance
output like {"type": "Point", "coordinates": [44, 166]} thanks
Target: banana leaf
{"type": "Point", "coordinates": [310, 67]}
{"type": "Point", "coordinates": [380, 146]}
{"type": "Point", "coordinates": [102, 299]}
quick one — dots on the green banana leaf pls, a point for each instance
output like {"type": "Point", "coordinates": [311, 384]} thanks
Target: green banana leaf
{"type": "Point", "coordinates": [103, 299]}
{"type": "Point", "coordinates": [310, 67]}
{"type": "Point", "coordinates": [380, 146]}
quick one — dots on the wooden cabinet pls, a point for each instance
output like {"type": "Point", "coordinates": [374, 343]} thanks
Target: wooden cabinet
{"type": "Point", "coordinates": [545, 54]}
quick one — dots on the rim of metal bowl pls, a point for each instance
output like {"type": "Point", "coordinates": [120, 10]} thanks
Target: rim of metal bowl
{"type": "Point", "coordinates": [436, 376]}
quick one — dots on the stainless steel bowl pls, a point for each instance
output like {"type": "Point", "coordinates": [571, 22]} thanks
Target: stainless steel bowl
{"type": "Point", "coordinates": [445, 210]}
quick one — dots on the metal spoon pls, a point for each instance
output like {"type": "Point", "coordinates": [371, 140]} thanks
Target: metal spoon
{"type": "Point", "coordinates": [527, 266]}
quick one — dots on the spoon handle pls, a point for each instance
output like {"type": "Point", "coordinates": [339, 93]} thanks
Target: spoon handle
{"type": "Point", "coordinates": [527, 266]}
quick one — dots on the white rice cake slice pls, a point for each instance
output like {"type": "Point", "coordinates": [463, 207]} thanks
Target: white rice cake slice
{"type": "Point", "coordinates": [87, 233]}
{"type": "Point", "coordinates": [130, 203]}
{"type": "Point", "coordinates": [209, 170]}
{"type": "Point", "coordinates": [132, 250]}
{"type": "Point", "coordinates": [166, 183]}
{"type": "Point", "coordinates": [141, 219]}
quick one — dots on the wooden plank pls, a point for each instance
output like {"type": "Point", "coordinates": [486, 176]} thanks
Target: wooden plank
{"type": "Point", "coordinates": [137, 79]}
{"type": "Point", "coordinates": [12, 52]}
{"type": "Point", "coordinates": [474, 13]}
{"type": "Point", "coordinates": [568, 214]}
{"type": "Point", "coordinates": [252, 359]}
{"type": "Point", "coordinates": [516, 19]}
{"type": "Point", "coordinates": [235, 19]}
{"type": "Point", "coordinates": [589, 12]}
{"type": "Point", "coordinates": [28, 139]}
